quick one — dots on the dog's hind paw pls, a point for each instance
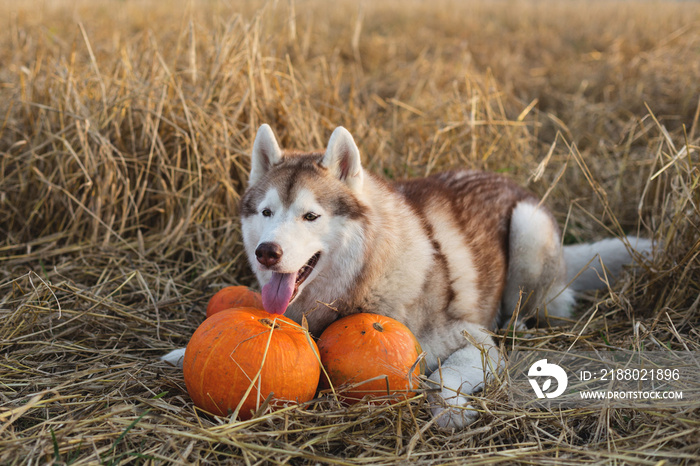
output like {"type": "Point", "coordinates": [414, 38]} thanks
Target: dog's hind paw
{"type": "Point", "coordinates": [175, 357]}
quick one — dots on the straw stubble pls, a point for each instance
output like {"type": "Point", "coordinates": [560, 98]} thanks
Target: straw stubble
{"type": "Point", "coordinates": [124, 134]}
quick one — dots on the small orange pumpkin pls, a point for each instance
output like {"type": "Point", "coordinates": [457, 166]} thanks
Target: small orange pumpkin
{"type": "Point", "coordinates": [373, 348]}
{"type": "Point", "coordinates": [246, 354]}
{"type": "Point", "coordinates": [233, 296]}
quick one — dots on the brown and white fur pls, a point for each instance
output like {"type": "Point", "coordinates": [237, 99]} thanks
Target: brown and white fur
{"type": "Point", "coordinates": [450, 255]}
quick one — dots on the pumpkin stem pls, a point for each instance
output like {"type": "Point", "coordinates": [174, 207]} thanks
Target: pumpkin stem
{"type": "Point", "coordinates": [269, 323]}
{"type": "Point", "coordinates": [378, 327]}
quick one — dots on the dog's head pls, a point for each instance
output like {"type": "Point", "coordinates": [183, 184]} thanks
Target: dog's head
{"type": "Point", "coordinates": [299, 214]}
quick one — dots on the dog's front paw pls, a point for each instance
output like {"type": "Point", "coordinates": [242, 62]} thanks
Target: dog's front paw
{"type": "Point", "coordinates": [453, 413]}
{"type": "Point", "coordinates": [464, 373]}
{"type": "Point", "coordinates": [175, 357]}
{"type": "Point", "coordinates": [450, 407]}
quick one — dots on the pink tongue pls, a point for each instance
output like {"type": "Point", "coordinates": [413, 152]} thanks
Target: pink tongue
{"type": "Point", "coordinates": [278, 291]}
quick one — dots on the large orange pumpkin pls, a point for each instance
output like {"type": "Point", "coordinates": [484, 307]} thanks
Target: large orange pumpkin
{"type": "Point", "coordinates": [373, 348]}
{"type": "Point", "coordinates": [233, 296]}
{"type": "Point", "coordinates": [246, 354]}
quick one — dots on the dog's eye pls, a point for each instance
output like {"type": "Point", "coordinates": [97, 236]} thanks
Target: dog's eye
{"type": "Point", "coordinates": [266, 212]}
{"type": "Point", "coordinates": [310, 216]}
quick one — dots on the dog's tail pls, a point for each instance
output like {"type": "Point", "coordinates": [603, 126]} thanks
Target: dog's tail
{"type": "Point", "coordinates": [592, 266]}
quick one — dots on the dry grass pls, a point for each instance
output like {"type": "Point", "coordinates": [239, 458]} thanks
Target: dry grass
{"type": "Point", "coordinates": [124, 129]}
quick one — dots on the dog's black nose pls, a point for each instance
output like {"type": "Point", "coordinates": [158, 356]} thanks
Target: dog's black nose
{"type": "Point", "coordinates": [268, 254]}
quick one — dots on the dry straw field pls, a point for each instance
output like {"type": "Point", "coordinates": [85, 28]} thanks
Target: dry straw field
{"type": "Point", "coordinates": [124, 132]}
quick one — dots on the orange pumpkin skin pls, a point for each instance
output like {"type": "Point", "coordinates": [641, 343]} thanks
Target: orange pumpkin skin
{"type": "Point", "coordinates": [228, 350]}
{"type": "Point", "coordinates": [365, 346]}
{"type": "Point", "coordinates": [231, 297]}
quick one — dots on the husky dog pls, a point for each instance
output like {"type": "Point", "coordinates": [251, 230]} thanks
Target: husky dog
{"type": "Point", "coordinates": [451, 256]}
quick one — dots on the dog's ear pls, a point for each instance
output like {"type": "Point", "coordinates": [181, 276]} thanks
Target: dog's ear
{"type": "Point", "coordinates": [342, 158]}
{"type": "Point", "coordinates": [266, 153]}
